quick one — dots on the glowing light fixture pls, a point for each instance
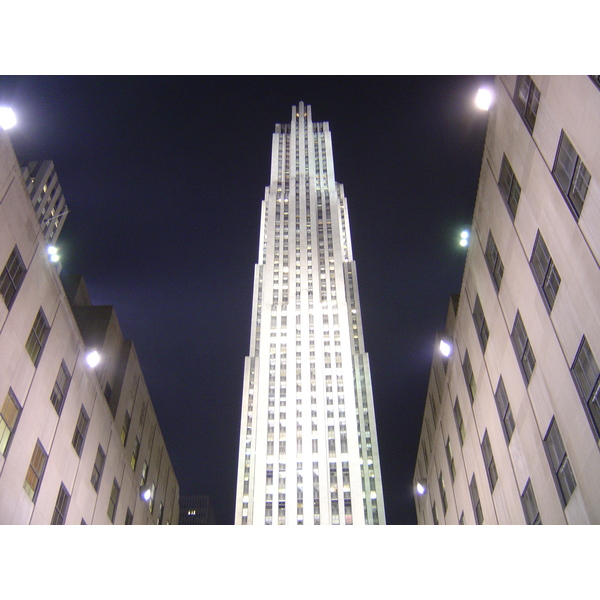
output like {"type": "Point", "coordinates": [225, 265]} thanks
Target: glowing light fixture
{"type": "Point", "coordinates": [145, 493]}
{"type": "Point", "coordinates": [53, 253]}
{"type": "Point", "coordinates": [92, 358]}
{"type": "Point", "coordinates": [464, 238]}
{"type": "Point", "coordinates": [484, 99]}
{"type": "Point", "coordinates": [445, 348]}
{"type": "Point", "coordinates": [422, 487]}
{"type": "Point", "coordinates": [7, 117]}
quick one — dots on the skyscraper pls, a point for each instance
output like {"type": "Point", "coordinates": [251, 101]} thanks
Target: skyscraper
{"type": "Point", "coordinates": [511, 429]}
{"type": "Point", "coordinates": [308, 445]}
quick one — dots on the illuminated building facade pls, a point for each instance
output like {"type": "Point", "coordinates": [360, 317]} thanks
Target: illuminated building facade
{"type": "Point", "coordinates": [77, 443]}
{"type": "Point", "coordinates": [511, 428]}
{"type": "Point", "coordinates": [308, 450]}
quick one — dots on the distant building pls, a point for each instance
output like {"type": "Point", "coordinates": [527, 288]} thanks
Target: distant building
{"type": "Point", "coordinates": [46, 196]}
{"type": "Point", "coordinates": [511, 428]}
{"type": "Point", "coordinates": [196, 510]}
{"type": "Point", "coordinates": [308, 452]}
{"type": "Point", "coordinates": [77, 443]}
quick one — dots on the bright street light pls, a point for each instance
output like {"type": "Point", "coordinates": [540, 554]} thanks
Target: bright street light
{"type": "Point", "coordinates": [422, 487]}
{"type": "Point", "coordinates": [445, 348]}
{"type": "Point", "coordinates": [92, 358]}
{"type": "Point", "coordinates": [53, 253]}
{"type": "Point", "coordinates": [464, 238]}
{"type": "Point", "coordinates": [7, 117]}
{"type": "Point", "coordinates": [484, 99]}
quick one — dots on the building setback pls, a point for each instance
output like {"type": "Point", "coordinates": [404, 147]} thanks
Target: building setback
{"type": "Point", "coordinates": [77, 443]}
{"type": "Point", "coordinates": [308, 450]}
{"type": "Point", "coordinates": [512, 419]}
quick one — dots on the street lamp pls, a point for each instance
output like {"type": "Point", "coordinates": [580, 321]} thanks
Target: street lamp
{"type": "Point", "coordinates": [484, 99]}
{"type": "Point", "coordinates": [7, 117]}
{"type": "Point", "coordinates": [92, 358]}
{"type": "Point", "coordinates": [464, 238]}
{"type": "Point", "coordinates": [145, 493]}
{"type": "Point", "coordinates": [445, 348]}
{"type": "Point", "coordinates": [421, 487]}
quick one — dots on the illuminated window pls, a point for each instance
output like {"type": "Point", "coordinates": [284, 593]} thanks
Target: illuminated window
{"type": "Point", "coordinates": [125, 429]}
{"type": "Point", "coordinates": [9, 417]}
{"type": "Point", "coordinates": [135, 454]}
{"type": "Point", "coordinates": [33, 479]}
{"type": "Point", "coordinates": [12, 277]}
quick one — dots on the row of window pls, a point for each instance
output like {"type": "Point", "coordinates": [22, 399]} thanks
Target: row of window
{"type": "Point", "coordinates": [569, 171]}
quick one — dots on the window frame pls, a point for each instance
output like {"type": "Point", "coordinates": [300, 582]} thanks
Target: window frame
{"type": "Point", "coordinates": [5, 426]}
{"type": "Point", "coordinates": [61, 507]}
{"type": "Point", "coordinates": [586, 377]}
{"type": "Point", "coordinates": [569, 173]}
{"type": "Point", "coordinates": [530, 506]}
{"type": "Point", "coordinates": [481, 326]}
{"type": "Point", "coordinates": [494, 261]}
{"type": "Point", "coordinates": [476, 501]}
{"type": "Point", "coordinates": [526, 99]}
{"type": "Point", "coordinates": [113, 501]}
{"type": "Point", "coordinates": [522, 347]}
{"type": "Point", "coordinates": [38, 336]}
{"type": "Point", "coordinates": [558, 460]}
{"type": "Point", "coordinates": [467, 369]}
{"type": "Point", "coordinates": [12, 277]}
{"type": "Point", "coordinates": [81, 428]}
{"type": "Point", "coordinates": [61, 388]}
{"type": "Point", "coordinates": [504, 410]}
{"type": "Point", "coordinates": [509, 186]}
{"type": "Point", "coordinates": [35, 472]}
{"type": "Point", "coordinates": [544, 271]}
{"type": "Point", "coordinates": [488, 461]}
{"type": "Point", "coordinates": [98, 469]}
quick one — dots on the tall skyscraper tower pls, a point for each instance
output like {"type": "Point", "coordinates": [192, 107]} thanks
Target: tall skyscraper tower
{"type": "Point", "coordinates": [308, 445]}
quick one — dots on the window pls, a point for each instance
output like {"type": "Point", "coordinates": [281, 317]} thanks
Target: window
{"type": "Point", "coordinates": [12, 277]}
{"type": "Point", "coordinates": [450, 458]}
{"type": "Point", "coordinates": [504, 410]}
{"type": "Point", "coordinates": [494, 262]}
{"type": "Point", "coordinates": [98, 468]}
{"type": "Point", "coordinates": [113, 501]}
{"type": "Point", "coordinates": [469, 377]}
{"type": "Point", "coordinates": [483, 333]}
{"type": "Point", "coordinates": [80, 431]}
{"type": "Point", "coordinates": [144, 473]}
{"type": "Point", "coordinates": [509, 186]}
{"type": "Point", "coordinates": [586, 375]}
{"type": "Point", "coordinates": [61, 386]}
{"type": "Point", "coordinates": [61, 507]}
{"type": "Point", "coordinates": [136, 452]}
{"type": "Point", "coordinates": [125, 429]}
{"type": "Point", "coordinates": [527, 100]}
{"type": "Point", "coordinates": [530, 507]}
{"type": "Point", "coordinates": [443, 492]}
{"type": "Point", "coordinates": [571, 175]}
{"type": "Point", "coordinates": [129, 517]}
{"type": "Point", "coordinates": [522, 348]}
{"type": "Point", "coordinates": [33, 479]}
{"type": "Point", "coordinates": [434, 515]}
{"type": "Point", "coordinates": [9, 416]}
{"type": "Point", "coordinates": [544, 271]}
{"type": "Point", "coordinates": [488, 459]}
{"type": "Point", "coordinates": [559, 461]}
{"type": "Point", "coordinates": [476, 501]}
{"type": "Point", "coordinates": [459, 422]}
{"type": "Point", "coordinates": [37, 338]}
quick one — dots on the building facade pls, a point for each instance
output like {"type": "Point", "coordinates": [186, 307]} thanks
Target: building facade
{"type": "Point", "coordinates": [196, 510]}
{"type": "Point", "coordinates": [308, 451]}
{"type": "Point", "coordinates": [511, 427]}
{"type": "Point", "coordinates": [77, 442]}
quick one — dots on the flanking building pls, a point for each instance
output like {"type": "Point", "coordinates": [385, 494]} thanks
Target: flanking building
{"type": "Point", "coordinates": [511, 427]}
{"type": "Point", "coordinates": [79, 440]}
{"type": "Point", "coordinates": [308, 451]}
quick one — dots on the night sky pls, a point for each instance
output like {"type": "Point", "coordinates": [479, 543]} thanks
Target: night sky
{"type": "Point", "coordinates": [164, 177]}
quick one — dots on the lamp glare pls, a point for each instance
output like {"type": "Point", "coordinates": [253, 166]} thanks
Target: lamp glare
{"type": "Point", "coordinates": [7, 117]}
{"type": "Point", "coordinates": [445, 348]}
{"type": "Point", "coordinates": [420, 489]}
{"type": "Point", "coordinates": [483, 100]}
{"type": "Point", "coordinates": [93, 358]}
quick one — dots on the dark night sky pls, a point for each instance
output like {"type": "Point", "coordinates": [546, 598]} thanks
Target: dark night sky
{"type": "Point", "coordinates": [164, 177]}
